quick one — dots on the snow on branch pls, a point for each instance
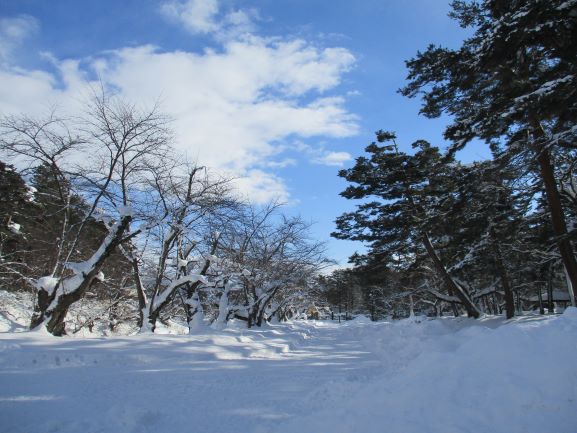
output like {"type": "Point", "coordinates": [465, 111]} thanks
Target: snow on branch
{"type": "Point", "coordinates": [187, 279]}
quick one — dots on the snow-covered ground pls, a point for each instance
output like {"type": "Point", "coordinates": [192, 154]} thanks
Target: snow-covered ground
{"type": "Point", "coordinates": [433, 376]}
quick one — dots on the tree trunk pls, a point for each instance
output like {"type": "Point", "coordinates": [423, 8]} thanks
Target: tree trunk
{"type": "Point", "coordinates": [223, 307]}
{"type": "Point", "coordinates": [509, 300]}
{"type": "Point", "coordinates": [192, 302]}
{"type": "Point", "coordinates": [139, 293]}
{"type": "Point", "coordinates": [251, 317]}
{"type": "Point", "coordinates": [550, 305]}
{"type": "Point", "coordinates": [43, 300]}
{"type": "Point", "coordinates": [541, 306]}
{"type": "Point", "coordinates": [472, 310]}
{"type": "Point", "coordinates": [495, 304]}
{"type": "Point", "coordinates": [54, 318]}
{"type": "Point", "coordinates": [56, 324]}
{"type": "Point", "coordinates": [194, 311]}
{"type": "Point", "coordinates": [453, 306]}
{"type": "Point", "coordinates": [155, 310]}
{"type": "Point", "coordinates": [557, 215]}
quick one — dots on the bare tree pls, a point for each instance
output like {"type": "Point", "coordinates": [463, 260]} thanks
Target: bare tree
{"type": "Point", "coordinates": [45, 142]}
{"type": "Point", "coordinates": [106, 160]}
{"type": "Point", "coordinates": [179, 232]}
{"type": "Point", "coordinates": [273, 257]}
{"type": "Point", "coordinates": [164, 263]}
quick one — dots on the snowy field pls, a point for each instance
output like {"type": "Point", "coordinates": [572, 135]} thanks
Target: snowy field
{"type": "Point", "coordinates": [446, 375]}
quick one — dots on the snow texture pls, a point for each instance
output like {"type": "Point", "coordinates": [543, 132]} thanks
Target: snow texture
{"type": "Point", "coordinates": [125, 211]}
{"type": "Point", "coordinates": [410, 376]}
{"type": "Point", "coordinates": [47, 284]}
{"type": "Point", "coordinates": [14, 227]}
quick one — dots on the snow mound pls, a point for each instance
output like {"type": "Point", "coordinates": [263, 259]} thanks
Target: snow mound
{"type": "Point", "coordinates": [516, 378]}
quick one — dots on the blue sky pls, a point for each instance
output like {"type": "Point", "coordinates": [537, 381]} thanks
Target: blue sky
{"type": "Point", "coordinates": [279, 94]}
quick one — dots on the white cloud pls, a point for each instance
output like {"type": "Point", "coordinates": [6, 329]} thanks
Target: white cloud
{"type": "Point", "coordinates": [206, 17]}
{"type": "Point", "coordinates": [322, 156]}
{"type": "Point", "coordinates": [13, 31]}
{"type": "Point", "coordinates": [262, 187]}
{"type": "Point", "coordinates": [197, 16]}
{"type": "Point", "coordinates": [235, 109]}
{"type": "Point", "coordinates": [241, 21]}
{"type": "Point", "coordinates": [333, 158]}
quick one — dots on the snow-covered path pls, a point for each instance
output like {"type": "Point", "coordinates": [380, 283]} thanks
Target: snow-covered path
{"type": "Point", "coordinates": [403, 377]}
{"type": "Point", "coordinates": [243, 381]}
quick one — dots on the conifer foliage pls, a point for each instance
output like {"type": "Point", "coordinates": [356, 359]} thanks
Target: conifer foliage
{"type": "Point", "coordinates": [512, 84]}
{"type": "Point", "coordinates": [479, 235]}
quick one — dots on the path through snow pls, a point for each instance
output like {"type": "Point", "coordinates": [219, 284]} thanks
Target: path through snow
{"type": "Point", "coordinates": [404, 377]}
{"type": "Point", "coordinates": [231, 381]}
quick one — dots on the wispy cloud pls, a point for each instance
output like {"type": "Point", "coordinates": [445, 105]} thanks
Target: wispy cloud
{"type": "Point", "coordinates": [320, 155]}
{"type": "Point", "coordinates": [284, 163]}
{"type": "Point", "coordinates": [333, 158]}
{"type": "Point", "coordinates": [207, 17]}
{"type": "Point", "coordinates": [13, 31]}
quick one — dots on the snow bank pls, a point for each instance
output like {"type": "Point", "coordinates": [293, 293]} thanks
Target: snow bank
{"type": "Point", "coordinates": [518, 378]}
{"type": "Point", "coordinates": [409, 376]}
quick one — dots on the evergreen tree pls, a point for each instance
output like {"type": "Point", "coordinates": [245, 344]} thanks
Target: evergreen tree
{"type": "Point", "coordinates": [15, 206]}
{"type": "Point", "coordinates": [404, 222]}
{"type": "Point", "coordinates": [485, 226]}
{"type": "Point", "coordinates": [511, 84]}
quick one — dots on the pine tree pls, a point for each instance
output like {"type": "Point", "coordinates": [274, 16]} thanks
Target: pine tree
{"type": "Point", "coordinates": [511, 84]}
{"type": "Point", "coordinates": [484, 225]}
{"type": "Point", "coordinates": [15, 206]}
{"type": "Point", "coordinates": [402, 223]}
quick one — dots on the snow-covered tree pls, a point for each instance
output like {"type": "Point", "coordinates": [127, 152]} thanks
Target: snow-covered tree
{"type": "Point", "coordinates": [271, 258]}
{"type": "Point", "coordinates": [404, 219]}
{"type": "Point", "coordinates": [511, 84]}
{"type": "Point", "coordinates": [164, 262]}
{"type": "Point", "coordinates": [123, 143]}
